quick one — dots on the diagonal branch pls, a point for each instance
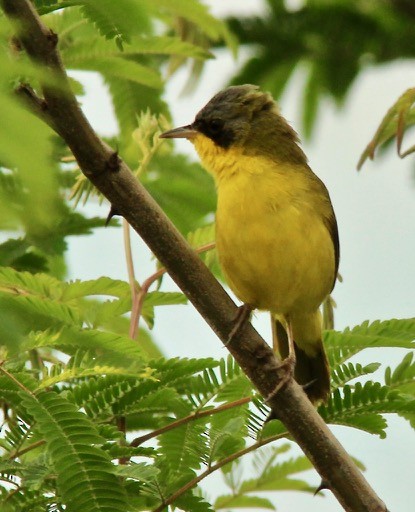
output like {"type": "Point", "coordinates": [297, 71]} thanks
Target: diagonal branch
{"type": "Point", "coordinates": [115, 181]}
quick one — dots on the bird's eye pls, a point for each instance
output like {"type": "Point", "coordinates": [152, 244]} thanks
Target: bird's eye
{"type": "Point", "coordinates": [215, 125]}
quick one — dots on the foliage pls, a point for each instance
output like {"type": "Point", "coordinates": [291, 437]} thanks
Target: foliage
{"type": "Point", "coordinates": [396, 121]}
{"type": "Point", "coordinates": [93, 415]}
{"type": "Point", "coordinates": [332, 42]}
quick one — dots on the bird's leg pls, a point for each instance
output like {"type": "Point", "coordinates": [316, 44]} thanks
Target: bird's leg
{"type": "Point", "coordinates": [242, 316]}
{"type": "Point", "coordinates": [287, 365]}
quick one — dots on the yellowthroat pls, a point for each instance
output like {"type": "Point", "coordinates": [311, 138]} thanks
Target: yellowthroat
{"type": "Point", "coordinates": [276, 231]}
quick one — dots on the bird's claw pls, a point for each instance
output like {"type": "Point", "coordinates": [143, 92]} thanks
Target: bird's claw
{"type": "Point", "coordinates": [242, 316]}
{"type": "Point", "coordinates": [286, 374]}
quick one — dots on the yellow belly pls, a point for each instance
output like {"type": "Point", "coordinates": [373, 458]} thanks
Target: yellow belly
{"type": "Point", "coordinates": [273, 245]}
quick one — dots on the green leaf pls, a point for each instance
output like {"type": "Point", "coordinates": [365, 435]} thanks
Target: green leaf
{"type": "Point", "coordinates": [36, 182]}
{"type": "Point", "coordinates": [227, 439]}
{"type": "Point", "coordinates": [35, 474]}
{"type": "Point", "coordinates": [198, 14]}
{"type": "Point", "coordinates": [113, 349]}
{"type": "Point", "coordinates": [121, 68]}
{"type": "Point", "coordinates": [130, 99]}
{"type": "Point", "coordinates": [165, 45]}
{"type": "Point", "coordinates": [343, 373]}
{"type": "Point", "coordinates": [9, 389]}
{"type": "Point", "coordinates": [158, 298]}
{"type": "Point", "coordinates": [192, 503]}
{"type": "Point", "coordinates": [278, 476]}
{"type": "Point", "coordinates": [399, 117]}
{"type": "Point", "coordinates": [101, 286]}
{"type": "Point", "coordinates": [403, 377]}
{"type": "Point", "coordinates": [142, 472]}
{"type": "Point", "coordinates": [311, 99]}
{"type": "Point", "coordinates": [88, 49]}
{"type": "Point", "coordinates": [85, 475]}
{"type": "Point", "coordinates": [37, 295]}
{"type": "Point", "coordinates": [341, 346]}
{"type": "Point", "coordinates": [185, 448]}
{"type": "Point", "coordinates": [205, 236]}
{"type": "Point", "coordinates": [117, 20]}
{"type": "Point", "coordinates": [362, 406]}
{"type": "Point", "coordinates": [183, 189]}
{"type": "Point", "coordinates": [231, 501]}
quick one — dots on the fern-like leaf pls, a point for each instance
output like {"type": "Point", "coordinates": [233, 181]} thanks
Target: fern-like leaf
{"type": "Point", "coordinates": [114, 349]}
{"type": "Point", "coordinates": [226, 502]}
{"type": "Point", "coordinates": [343, 373]}
{"type": "Point", "coordinates": [227, 437]}
{"type": "Point", "coordinates": [277, 476]}
{"type": "Point", "coordinates": [362, 407]}
{"type": "Point", "coordinates": [272, 476]}
{"type": "Point", "coordinates": [388, 333]}
{"type": "Point", "coordinates": [85, 475]}
{"type": "Point", "coordinates": [403, 377]}
{"type": "Point", "coordinates": [191, 502]}
{"type": "Point", "coordinates": [185, 448]}
{"type": "Point", "coordinates": [121, 68]}
{"type": "Point", "coordinates": [116, 20]}
{"type": "Point", "coordinates": [37, 294]}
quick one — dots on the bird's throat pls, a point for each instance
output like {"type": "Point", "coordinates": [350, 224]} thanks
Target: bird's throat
{"type": "Point", "coordinates": [218, 161]}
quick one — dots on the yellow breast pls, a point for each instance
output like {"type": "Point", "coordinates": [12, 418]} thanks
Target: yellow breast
{"type": "Point", "coordinates": [273, 245]}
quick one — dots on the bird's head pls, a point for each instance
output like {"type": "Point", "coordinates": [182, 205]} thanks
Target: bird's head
{"type": "Point", "coordinates": [228, 117]}
{"type": "Point", "coordinates": [241, 119]}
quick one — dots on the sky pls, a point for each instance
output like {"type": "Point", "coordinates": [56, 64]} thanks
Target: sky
{"type": "Point", "coordinates": [375, 210]}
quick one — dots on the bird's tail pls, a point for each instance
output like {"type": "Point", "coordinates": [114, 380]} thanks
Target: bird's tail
{"type": "Point", "coordinates": [312, 368]}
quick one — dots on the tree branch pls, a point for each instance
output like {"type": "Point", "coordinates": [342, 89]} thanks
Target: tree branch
{"type": "Point", "coordinates": [115, 181]}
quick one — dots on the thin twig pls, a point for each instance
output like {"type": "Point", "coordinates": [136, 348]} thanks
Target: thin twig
{"type": "Point", "coordinates": [33, 446]}
{"type": "Point", "coordinates": [35, 104]}
{"type": "Point", "coordinates": [134, 286]}
{"type": "Point", "coordinates": [141, 295]}
{"type": "Point", "coordinates": [192, 417]}
{"type": "Point", "coordinates": [13, 378]}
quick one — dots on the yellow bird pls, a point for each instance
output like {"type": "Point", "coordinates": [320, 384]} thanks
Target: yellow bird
{"type": "Point", "coordinates": [276, 232]}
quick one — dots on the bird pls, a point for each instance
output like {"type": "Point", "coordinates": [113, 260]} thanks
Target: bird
{"type": "Point", "coordinates": [276, 231]}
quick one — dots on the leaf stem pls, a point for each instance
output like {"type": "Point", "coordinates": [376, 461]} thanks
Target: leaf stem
{"type": "Point", "coordinates": [134, 286]}
{"type": "Point", "coordinates": [13, 378]}
{"type": "Point", "coordinates": [141, 294]}
{"type": "Point", "coordinates": [33, 446]}
{"type": "Point", "coordinates": [192, 417]}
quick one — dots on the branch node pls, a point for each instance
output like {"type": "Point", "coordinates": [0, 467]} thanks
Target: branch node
{"type": "Point", "coordinates": [323, 485]}
{"type": "Point", "coordinates": [15, 45]}
{"type": "Point", "coordinates": [114, 162]}
{"type": "Point", "coordinates": [53, 38]}
{"type": "Point", "coordinates": [28, 91]}
{"type": "Point", "coordinates": [113, 211]}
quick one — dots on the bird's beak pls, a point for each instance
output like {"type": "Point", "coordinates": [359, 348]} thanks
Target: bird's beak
{"type": "Point", "coordinates": [183, 132]}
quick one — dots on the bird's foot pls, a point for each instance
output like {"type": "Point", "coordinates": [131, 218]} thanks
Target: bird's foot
{"type": "Point", "coordinates": [242, 316]}
{"type": "Point", "coordinates": [286, 374]}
